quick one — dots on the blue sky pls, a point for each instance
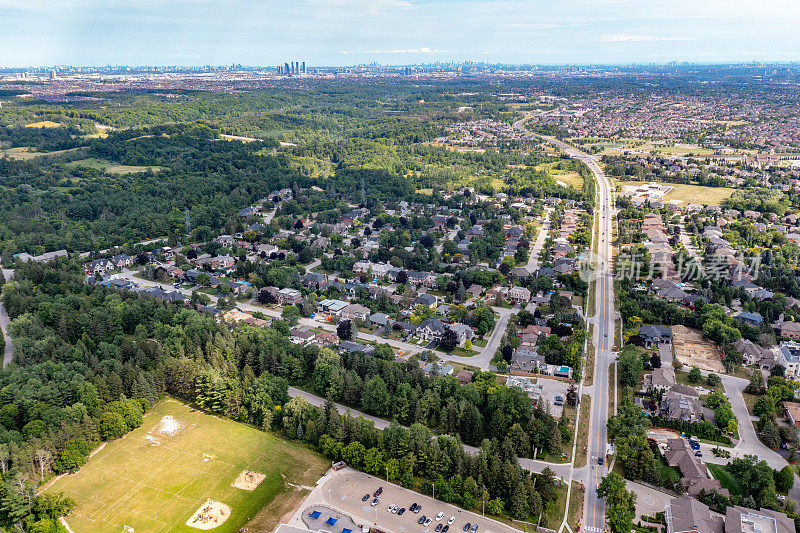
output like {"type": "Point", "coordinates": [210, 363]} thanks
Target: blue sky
{"type": "Point", "coordinates": [346, 32]}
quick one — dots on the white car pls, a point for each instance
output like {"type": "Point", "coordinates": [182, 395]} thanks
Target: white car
{"type": "Point", "coordinates": [452, 519]}
{"type": "Point", "coordinates": [439, 516]}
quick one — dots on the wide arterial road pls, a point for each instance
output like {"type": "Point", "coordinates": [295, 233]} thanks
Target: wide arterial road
{"type": "Point", "coordinates": [603, 336]}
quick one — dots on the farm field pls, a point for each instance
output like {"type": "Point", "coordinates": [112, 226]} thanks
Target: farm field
{"type": "Point", "coordinates": [688, 194]}
{"type": "Point", "coordinates": [230, 473]}
{"type": "Point", "coordinates": [108, 166]}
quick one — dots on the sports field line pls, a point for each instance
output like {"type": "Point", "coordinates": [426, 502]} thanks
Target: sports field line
{"type": "Point", "coordinates": [219, 478]}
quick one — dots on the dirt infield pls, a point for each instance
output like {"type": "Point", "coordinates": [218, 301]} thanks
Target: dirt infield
{"type": "Point", "coordinates": [248, 480]}
{"type": "Point", "coordinates": [210, 515]}
{"type": "Point", "coordinates": [691, 349]}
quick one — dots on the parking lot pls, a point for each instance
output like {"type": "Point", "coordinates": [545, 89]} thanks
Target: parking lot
{"type": "Point", "coordinates": [550, 389]}
{"type": "Point", "coordinates": [345, 491]}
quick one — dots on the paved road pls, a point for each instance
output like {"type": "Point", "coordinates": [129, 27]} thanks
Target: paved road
{"type": "Point", "coordinates": [536, 250]}
{"type": "Point", "coordinates": [4, 320]}
{"type": "Point", "coordinates": [602, 340]}
{"type": "Point", "coordinates": [560, 469]}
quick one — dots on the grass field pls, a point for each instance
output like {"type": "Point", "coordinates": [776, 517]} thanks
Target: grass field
{"type": "Point", "coordinates": [108, 166]}
{"type": "Point", "coordinates": [689, 194]}
{"type": "Point", "coordinates": [25, 153]}
{"type": "Point", "coordinates": [726, 479]}
{"type": "Point", "coordinates": [158, 488]}
{"type": "Point", "coordinates": [43, 124]}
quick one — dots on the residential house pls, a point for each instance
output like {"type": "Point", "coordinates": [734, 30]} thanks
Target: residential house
{"type": "Point", "coordinates": [792, 412]}
{"type": "Point", "coordinates": [438, 370]}
{"type": "Point", "coordinates": [355, 311]}
{"type": "Point", "coordinates": [790, 330]}
{"type": "Point", "coordinates": [694, 474]}
{"type": "Point", "coordinates": [332, 307]}
{"type": "Point", "coordinates": [465, 376]}
{"type": "Point", "coordinates": [529, 361]}
{"type": "Point", "coordinates": [431, 329]}
{"type": "Point", "coordinates": [787, 354]}
{"type": "Point", "coordinates": [680, 404]}
{"type": "Point", "coordinates": [688, 515]}
{"type": "Point", "coordinates": [289, 296]}
{"type": "Point", "coordinates": [520, 294]}
{"type": "Point", "coordinates": [463, 332]}
{"type": "Point", "coordinates": [651, 336]}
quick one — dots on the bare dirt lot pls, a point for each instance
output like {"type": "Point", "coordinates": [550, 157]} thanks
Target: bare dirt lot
{"type": "Point", "coordinates": [691, 349]}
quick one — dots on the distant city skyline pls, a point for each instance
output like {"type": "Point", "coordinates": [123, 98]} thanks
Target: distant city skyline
{"type": "Point", "coordinates": [397, 32]}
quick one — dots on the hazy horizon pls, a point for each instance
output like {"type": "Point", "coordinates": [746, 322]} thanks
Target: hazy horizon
{"type": "Point", "coordinates": [396, 32]}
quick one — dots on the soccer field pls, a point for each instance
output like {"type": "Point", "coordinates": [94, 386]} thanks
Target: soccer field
{"type": "Point", "coordinates": [178, 474]}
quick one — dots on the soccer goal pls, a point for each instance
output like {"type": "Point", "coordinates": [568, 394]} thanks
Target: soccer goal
{"type": "Point", "coordinates": [127, 529]}
{"type": "Point", "coordinates": [208, 457]}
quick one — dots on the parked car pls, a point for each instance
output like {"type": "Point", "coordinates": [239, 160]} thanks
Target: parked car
{"type": "Point", "coordinates": [438, 528]}
{"type": "Point", "coordinates": [401, 511]}
{"type": "Point", "coordinates": [474, 528]}
{"type": "Point", "coordinates": [374, 502]}
{"type": "Point", "coordinates": [467, 526]}
{"type": "Point", "coordinates": [452, 519]}
{"type": "Point", "coordinates": [422, 519]}
{"type": "Point", "coordinates": [698, 453]}
{"type": "Point", "coordinates": [439, 516]}
{"type": "Point", "coordinates": [445, 529]}
{"type": "Point", "coordinates": [427, 522]}
{"type": "Point", "coordinates": [417, 509]}
{"type": "Point", "coordinates": [413, 506]}
{"type": "Point", "coordinates": [378, 492]}
{"type": "Point", "coordinates": [365, 498]}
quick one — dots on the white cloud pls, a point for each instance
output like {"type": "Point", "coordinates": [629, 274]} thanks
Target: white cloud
{"type": "Point", "coordinates": [629, 38]}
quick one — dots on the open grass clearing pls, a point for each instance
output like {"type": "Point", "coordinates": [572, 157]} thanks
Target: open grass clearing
{"type": "Point", "coordinates": [688, 194]}
{"type": "Point", "coordinates": [107, 166]}
{"type": "Point", "coordinates": [44, 124]}
{"type": "Point", "coordinates": [24, 153]}
{"type": "Point", "coordinates": [160, 487]}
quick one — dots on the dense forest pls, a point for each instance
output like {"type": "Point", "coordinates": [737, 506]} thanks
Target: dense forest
{"type": "Point", "coordinates": [90, 361]}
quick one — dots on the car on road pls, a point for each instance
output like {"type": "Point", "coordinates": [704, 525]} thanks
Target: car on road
{"type": "Point", "coordinates": [365, 497]}
{"type": "Point", "coordinates": [600, 460]}
{"type": "Point", "coordinates": [439, 516]}
{"type": "Point", "coordinates": [374, 502]}
{"type": "Point", "coordinates": [422, 519]}
{"type": "Point", "coordinates": [452, 519]}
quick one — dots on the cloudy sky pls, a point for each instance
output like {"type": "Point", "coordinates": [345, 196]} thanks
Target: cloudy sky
{"type": "Point", "coordinates": [346, 32]}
